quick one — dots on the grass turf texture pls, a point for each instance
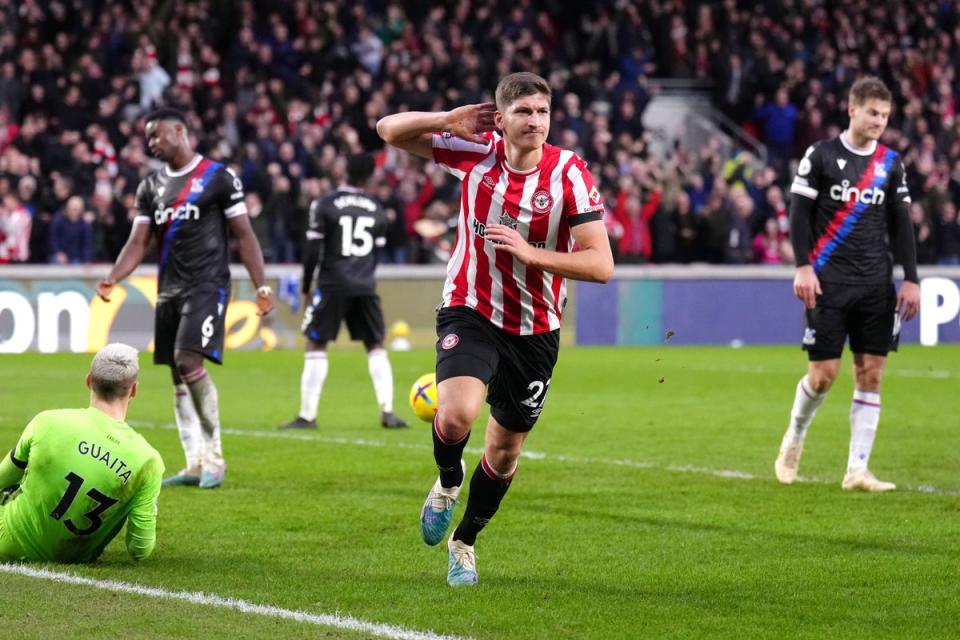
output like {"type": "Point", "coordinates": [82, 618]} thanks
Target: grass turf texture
{"type": "Point", "coordinates": [621, 529]}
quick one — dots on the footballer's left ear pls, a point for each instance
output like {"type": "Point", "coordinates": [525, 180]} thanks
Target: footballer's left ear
{"type": "Point", "coordinates": [88, 382]}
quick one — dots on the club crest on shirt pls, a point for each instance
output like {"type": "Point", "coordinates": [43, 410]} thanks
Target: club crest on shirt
{"type": "Point", "coordinates": [196, 186]}
{"type": "Point", "coordinates": [507, 220]}
{"type": "Point", "coordinates": [449, 341]}
{"type": "Point", "coordinates": [542, 201]}
{"type": "Point", "coordinates": [879, 170]}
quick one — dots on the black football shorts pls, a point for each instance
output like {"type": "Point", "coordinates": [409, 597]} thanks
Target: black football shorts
{"type": "Point", "coordinates": [864, 313]}
{"type": "Point", "coordinates": [364, 316]}
{"type": "Point", "coordinates": [192, 321]}
{"type": "Point", "coordinates": [516, 369]}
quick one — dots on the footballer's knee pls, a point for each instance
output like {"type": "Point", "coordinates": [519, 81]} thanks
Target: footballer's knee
{"type": "Point", "coordinates": [502, 457]}
{"type": "Point", "coordinates": [454, 419]}
{"type": "Point", "coordinates": [868, 378]}
{"type": "Point", "coordinates": [868, 371]}
{"type": "Point", "coordinates": [821, 375]}
{"type": "Point", "coordinates": [186, 362]}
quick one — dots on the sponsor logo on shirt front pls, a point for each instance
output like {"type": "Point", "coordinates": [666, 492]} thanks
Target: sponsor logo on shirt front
{"type": "Point", "coordinates": [845, 193]}
{"type": "Point", "coordinates": [183, 212]}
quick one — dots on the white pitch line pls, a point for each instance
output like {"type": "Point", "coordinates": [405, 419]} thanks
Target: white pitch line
{"type": "Point", "coordinates": [938, 374]}
{"type": "Point", "coordinates": [338, 621]}
{"type": "Point", "coordinates": [533, 455]}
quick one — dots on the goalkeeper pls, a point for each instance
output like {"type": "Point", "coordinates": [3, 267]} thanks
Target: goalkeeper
{"type": "Point", "coordinates": [82, 474]}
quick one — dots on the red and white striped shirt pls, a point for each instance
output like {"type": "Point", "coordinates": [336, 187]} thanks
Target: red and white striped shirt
{"type": "Point", "coordinates": [542, 204]}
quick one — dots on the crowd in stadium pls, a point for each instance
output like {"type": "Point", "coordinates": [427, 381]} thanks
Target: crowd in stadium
{"type": "Point", "coordinates": [285, 90]}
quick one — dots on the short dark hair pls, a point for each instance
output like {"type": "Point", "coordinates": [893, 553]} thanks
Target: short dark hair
{"type": "Point", "coordinates": [867, 88]}
{"type": "Point", "coordinates": [517, 85]}
{"type": "Point", "coordinates": [166, 113]}
{"type": "Point", "coordinates": [360, 167]}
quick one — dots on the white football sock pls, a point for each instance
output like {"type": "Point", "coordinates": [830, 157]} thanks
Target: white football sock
{"type": "Point", "coordinates": [805, 405]}
{"type": "Point", "coordinates": [864, 418]}
{"type": "Point", "coordinates": [204, 394]}
{"type": "Point", "coordinates": [188, 425]}
{"type": "Point", "coordinates": [315, 366]}
{"type": "Point", "coordinates": [382, 376]}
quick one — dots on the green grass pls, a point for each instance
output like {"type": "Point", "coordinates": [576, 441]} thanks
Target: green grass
{"type": "Point", "coordinates": [622, 528]}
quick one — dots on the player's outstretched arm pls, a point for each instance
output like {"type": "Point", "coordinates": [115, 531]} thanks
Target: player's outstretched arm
{"type": "Point", "coordinates": [592, 261]}
{"type": "Point", "coordinates": [130, 257]}
{"type": "Point", "coordinates": [411, 131]}
{"type": "Point", "coordinates": [249, 248]}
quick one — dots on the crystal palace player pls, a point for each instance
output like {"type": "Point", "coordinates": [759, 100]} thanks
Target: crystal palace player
{"type": "Point", "coordinates": [849, 195]}
{"type": "Point", "coordinates": [525, 205]}
{"type": "Point", "coordinates": [188, 206]}
{"type": "Point", "coordinates": [345, 228]}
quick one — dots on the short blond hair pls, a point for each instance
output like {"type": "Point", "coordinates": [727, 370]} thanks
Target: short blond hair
{"type": "Point", "coordinates": [114, 371]}
{"type": "Point", "coordinates": [517, 85]}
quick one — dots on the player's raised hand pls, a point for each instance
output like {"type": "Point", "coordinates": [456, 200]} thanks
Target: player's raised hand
{"type": "Point", "coordinates": [908, 300]}
{"type": "Point", "coordinates": [471, 121]}
{"type": "Point", "coordinates": [264, 300]}
{"type": "Point", "coordinates": [105, 288]}
{"type": "Point", "coordinates": [806, 286]}
{"type": "Point", "coordinates": [507, 239]}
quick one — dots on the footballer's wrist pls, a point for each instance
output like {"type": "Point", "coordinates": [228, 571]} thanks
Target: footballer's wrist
{"type": "Point", "coordinates": [264, 290]}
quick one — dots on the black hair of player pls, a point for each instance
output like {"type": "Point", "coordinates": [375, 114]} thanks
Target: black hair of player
{"type": "Point", "coordinates": [360, 167]}
{"type": "Point", "coordinates": [166, 113]}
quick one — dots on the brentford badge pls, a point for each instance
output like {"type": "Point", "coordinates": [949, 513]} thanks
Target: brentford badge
{"type": "Point", "coordinates": [542, 201]}
{"type": "Point", "coordinates": [449, 341]}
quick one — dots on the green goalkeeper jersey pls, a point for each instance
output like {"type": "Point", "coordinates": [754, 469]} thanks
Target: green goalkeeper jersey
{"type": "Point", "coordinates": [86, 474]}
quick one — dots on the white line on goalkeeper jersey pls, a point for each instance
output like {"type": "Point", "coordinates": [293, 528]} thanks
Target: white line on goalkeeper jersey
{"type": "Point", "coordinates": [538, 455]}
{"type": "Point", "coordinates": [338, 621]}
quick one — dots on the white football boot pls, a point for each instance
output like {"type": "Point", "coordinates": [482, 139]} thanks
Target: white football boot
{"type": "Point", "coordinates": [789, 459]}
{"type": "Point", "coordinates": [864, 480]}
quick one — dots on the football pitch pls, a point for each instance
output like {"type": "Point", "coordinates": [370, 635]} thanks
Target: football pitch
{"type": "Point", "coordinates": [645, 507]}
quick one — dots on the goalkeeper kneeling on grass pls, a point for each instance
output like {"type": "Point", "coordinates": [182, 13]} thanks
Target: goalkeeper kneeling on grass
{"type": "Point", "coordinates": [77, 475]}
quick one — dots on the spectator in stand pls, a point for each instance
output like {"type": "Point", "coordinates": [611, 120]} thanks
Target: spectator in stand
{"type": "Point", "coordinates": [632, 214]}
{"type": "Point", "coordinates": [14, 230]}
{"type": "Point", "coordinates": [779, 124]}
{"type": "Point", "coordinates": [739, 248]}
{"type": "Point", "coordinates": [301, 83]}
{"type": "Point", "coordinates": [923, 232]}
{"type": "Point", "coordinates": [948, 235]}
{"type": "Point", "coordinates": [771, 246]}
{"type": "Point", "coordinates": [71, 234]}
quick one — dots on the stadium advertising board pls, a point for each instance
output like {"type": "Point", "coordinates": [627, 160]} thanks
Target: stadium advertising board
{"type": "Point", "coordinates": [712, 306]}
{"type": "Point", "coordinates": [58, 311]}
